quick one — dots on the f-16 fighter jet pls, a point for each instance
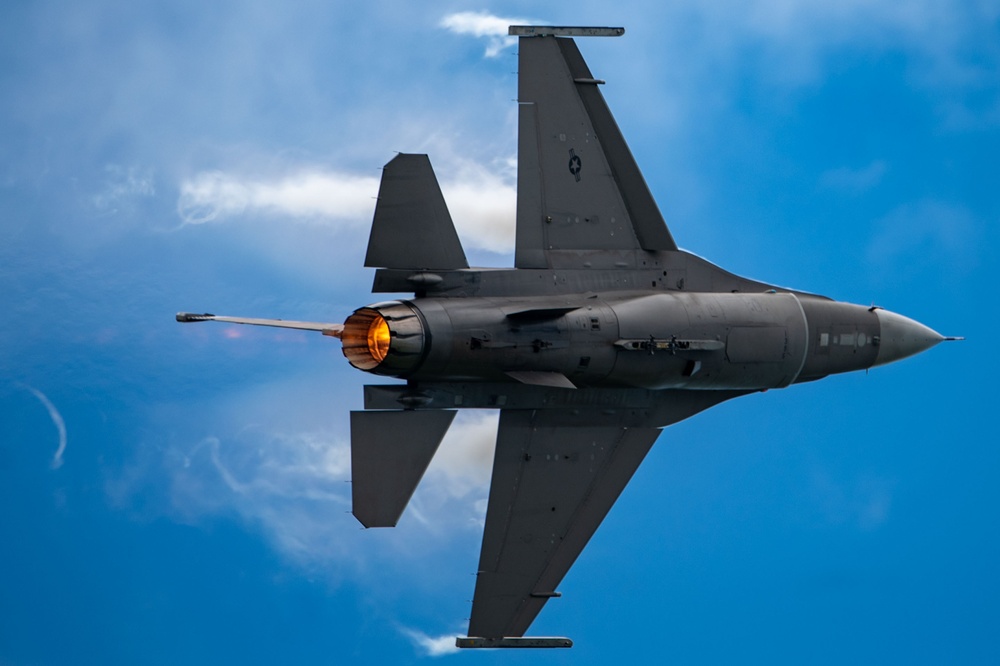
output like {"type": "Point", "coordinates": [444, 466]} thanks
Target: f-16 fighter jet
{"type": "Point", "coordinates": [602, 334]}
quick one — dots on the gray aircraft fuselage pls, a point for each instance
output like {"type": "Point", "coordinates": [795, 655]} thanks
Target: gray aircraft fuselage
{"type": "Point", "coordinates": [652, 332]}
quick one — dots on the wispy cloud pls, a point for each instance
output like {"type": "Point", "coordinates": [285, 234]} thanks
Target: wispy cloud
{"type": "Point", "coordinates": [460, 471]}
{"type": "Point", "coordinates": [123, 185]}
{"type": "Point", "coordinates": [430, 645]}
{"type": "Point", "coordinates": [484, 25]}
{"type": "Point", "coordinates": [925, 231]}
{"type": "Point", "coordinates": [947, 47]}
{"type": "Point", "coordinates": [465, 457]}
{"type": "Point", "coordinates": [286, 474]}
{"type": "Point", "coordinates": [307, 194]}
{"type": "Point", "coordinates": [483, 201]}
{"type": "Point", "coordinates": [57, 420]}
{"type": "Point", "coordinates": [481, 198]}
{"type": "Point", "coordinates": [865, 504]}
{"type": "Point", "coordinates": [290, 485]}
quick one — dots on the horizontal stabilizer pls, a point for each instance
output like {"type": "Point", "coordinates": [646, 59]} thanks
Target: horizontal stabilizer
{"type": "Point", "coordinates": [390, 452]}
{"type": "Point", "coordinates": [412, 226]}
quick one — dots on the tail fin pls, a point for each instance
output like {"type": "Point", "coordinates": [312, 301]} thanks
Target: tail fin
{"type": "Point", "coordinates": [390, 451]}
{"type": "Point", "coordinates": [412, 227]}
{"type": "Point", "coordinates": [578, 186]}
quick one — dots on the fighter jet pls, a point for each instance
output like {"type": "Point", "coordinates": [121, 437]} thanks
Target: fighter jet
{"type": "Point", "coordinates": [602, 334]}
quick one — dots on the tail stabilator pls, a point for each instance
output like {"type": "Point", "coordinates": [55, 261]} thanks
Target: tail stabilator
{"type": "Point", "coordinates": [412, 226]}
{"type": "Point", "coordinates": [390, 451]}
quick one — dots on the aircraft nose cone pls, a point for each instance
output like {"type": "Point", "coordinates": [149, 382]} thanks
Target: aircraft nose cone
{"type": "Point", "coordinates": [902, 337]}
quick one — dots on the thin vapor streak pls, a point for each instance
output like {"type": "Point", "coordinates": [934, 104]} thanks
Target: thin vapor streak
{"type": "Point", "coordinates": [57, 419]}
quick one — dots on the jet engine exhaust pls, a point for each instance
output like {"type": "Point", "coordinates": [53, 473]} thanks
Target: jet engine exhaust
{"type": "Point", "coordinates": [384, 338]}
{"type": "Point", "coordinates": [366, 339]}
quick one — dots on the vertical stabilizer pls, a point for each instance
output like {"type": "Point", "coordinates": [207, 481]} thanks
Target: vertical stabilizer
{"type": "Point", "coordinates": [412, 226]}
{"type": "Point", "coordinates": [390, 452]}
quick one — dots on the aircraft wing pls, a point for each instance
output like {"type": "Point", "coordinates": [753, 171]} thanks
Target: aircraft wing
{"type": "Point", "coordinates": [581, 198]}
{"type": "Point", "coordinates": [555, 477]}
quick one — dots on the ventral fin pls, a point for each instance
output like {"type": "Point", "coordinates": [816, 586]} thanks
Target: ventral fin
{"type": "Point", "coordinates": [553, 379]}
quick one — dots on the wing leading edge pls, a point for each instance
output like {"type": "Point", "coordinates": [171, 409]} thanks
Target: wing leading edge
{"type": "Point", "coordinates": [554, 480]}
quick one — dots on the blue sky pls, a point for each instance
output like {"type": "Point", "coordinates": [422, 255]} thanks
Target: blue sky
{"type": "Point", "coordinates": [179, 493]}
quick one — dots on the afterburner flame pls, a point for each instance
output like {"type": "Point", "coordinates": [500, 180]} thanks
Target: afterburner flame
{"type": "Point", "coordinates": [366, 339]}
{"type": "Point", "coordinates": [378, 339]}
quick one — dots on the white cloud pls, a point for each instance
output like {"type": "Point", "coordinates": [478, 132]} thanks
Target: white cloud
{"type": "Point", "coordinates": [481, 198]}
{"type": "Point", "coordinates": [307, 194]}
{"type": "Point", "coordinates": [57, 420]}
{"type": "Point", "coordinates": [484, 24]}
{"type": "Point", "coordinates": [465, 457]}
{"type": "Point", "coordinates": [429, 645]}
{"type": "Point", "coordinates": [483, 206]}
{"type": "Point", "coordinates": [285, 470]}
{"type": "Point", "coordinates": [460, 471]}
